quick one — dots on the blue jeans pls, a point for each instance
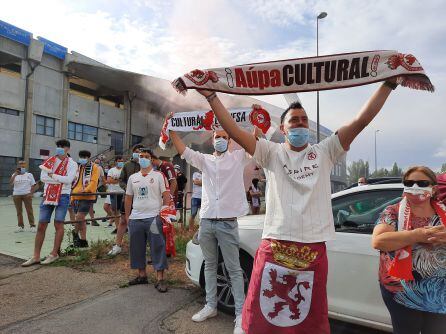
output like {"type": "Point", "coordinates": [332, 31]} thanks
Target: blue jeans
{"type": "Point", "coordinates": [224, 234]}
{"type": "Point", "coordinates": [61, 210]}
{"type": "Point", "coordinates": [195, 204]}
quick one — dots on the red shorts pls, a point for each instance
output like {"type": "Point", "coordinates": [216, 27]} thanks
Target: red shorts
{"type": "Point", "coordinates": [288, 289]}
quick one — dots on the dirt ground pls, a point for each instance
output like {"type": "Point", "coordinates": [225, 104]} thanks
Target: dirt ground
{"type": "Point", "coordinates": [28, 292]}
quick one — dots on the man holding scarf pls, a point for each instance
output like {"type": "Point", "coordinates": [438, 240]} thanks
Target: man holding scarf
{"type": "Point", "coordinates": [87, 182]}
{"type": "Point", "coordinates": [287, 292]}
{"type": "Point", "coordinates": [57, 172]}
{"type": "Point", "coordinates": [223, 200]}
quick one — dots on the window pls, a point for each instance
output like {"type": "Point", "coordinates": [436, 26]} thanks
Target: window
{"type": "Point", "coordinates": [82, 132]}
{"type": "Point", "coordinates": [358, 212]}
{"type": "Point", "coordinates": [45, 125]}
{"type": "Point", "coordinates": [136, 140]}
{"type": "Point", "coordinates": [9, 111]}
{"type": "Point", "coordinates": [13, 70]}
{"type": "Point", "coordinates": [117, 142]}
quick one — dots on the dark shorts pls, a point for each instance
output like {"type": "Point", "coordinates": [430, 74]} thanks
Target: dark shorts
{"type": "Point", "coordinates": [117, 202]}
{"type": "Point", "coordinates": [83, 206]}
{"type": "Point", "coordinates": [195, 205]}
{"type": "Point", "coordinates": [60, 210]}
{"type": "Point", "coordinates": [141, 232]}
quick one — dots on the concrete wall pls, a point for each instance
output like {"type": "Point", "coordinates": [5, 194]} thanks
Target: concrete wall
{"type": "Point", "coordinates": [11, 135]}
{"type": "Point", "coordinates": [12, 92]}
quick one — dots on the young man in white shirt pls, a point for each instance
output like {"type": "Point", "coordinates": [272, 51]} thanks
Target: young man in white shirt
{"type": "Point", "coordinates": [223, 200]}
{"type": "Point", "coordinates": [58, 173]}
{"type": "Point", "coordinates": [196, 198]}
{"type": "Point", "coordinates": [113, 185]}
{"type": "Point", "coordinates": [147, 192]}
{"type": "Point", "coordinates": [23, 188]}
{"type": "Point", "coordinates": [287, 291]}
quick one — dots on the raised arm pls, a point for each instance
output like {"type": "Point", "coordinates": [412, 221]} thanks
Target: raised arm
{"type": "Point", "coordinates": [243, 138]}
{"type": "Point", "coordinates": [348, 132]}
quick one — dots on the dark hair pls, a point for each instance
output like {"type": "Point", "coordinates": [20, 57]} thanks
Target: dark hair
{"type": "Point", "coordinates": [137, 147]}
{"type": "Point", "coordinates": [84, 154]}
{"type": "Point", "coordinates": [294, 105]}
{"type": "Point", "coordinates": [255, 181]}
{"type": "Point", "coordinates": [62, 143]}
{"type": "Point", "coordinates": [423, 169]}
{"type": "Point", "coordinates": [119, 157]}
{"type": "Point", "coordinates": [153, 155]}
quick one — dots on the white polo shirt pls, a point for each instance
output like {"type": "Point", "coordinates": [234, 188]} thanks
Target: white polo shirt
{"type": "Point", "coordinates": [196, 189]}
{"type": "Point", "coordinates": [147, 192]}
{"type": "Point", "coordinates": [298, 197]}
{"type": "Point", "coordinates": [23, 184]}
{"type": "Point", "coordinates": [223, 191]}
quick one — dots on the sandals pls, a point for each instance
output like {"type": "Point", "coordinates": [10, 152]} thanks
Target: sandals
{"type": "Point", "coordinates": [161, 286]}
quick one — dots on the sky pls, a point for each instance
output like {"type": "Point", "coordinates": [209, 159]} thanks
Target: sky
{"type": "Point", "coordinates": [168, 38]}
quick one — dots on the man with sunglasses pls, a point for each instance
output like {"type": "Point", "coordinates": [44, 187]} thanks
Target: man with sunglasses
{"type": "Point", "coordinates": [147, 192]}
{"type": "Point", "coordinates": [223, 200]}
{"type": "Point", "coordinates": [298, 218]}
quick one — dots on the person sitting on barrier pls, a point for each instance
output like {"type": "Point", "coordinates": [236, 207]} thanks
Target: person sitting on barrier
{"type": "Point", "coordinates": [147, 191]}
{"type": "Point", "coordinates": [116, 200]}
{"type": "Point", "coordinates": [130, 167]}
{"type": "Point", "coordinates": [87, 182]}
{"type": "Point", "coordinates": [57, 172]}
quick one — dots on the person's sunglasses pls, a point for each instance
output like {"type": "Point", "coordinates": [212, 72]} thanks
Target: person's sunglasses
{"type": "Point", "coordinates": [420, 183]}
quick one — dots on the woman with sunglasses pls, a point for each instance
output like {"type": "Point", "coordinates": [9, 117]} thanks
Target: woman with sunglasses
{"type": "Point", "coordinates": [411, 237]}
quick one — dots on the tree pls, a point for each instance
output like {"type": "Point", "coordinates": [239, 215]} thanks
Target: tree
{"type": "Point", "coordinates": [356, 170]}
{"type": "Point", "coordinates": [443, 168]}
{"type": "Point", "coordinates": [396, 171]}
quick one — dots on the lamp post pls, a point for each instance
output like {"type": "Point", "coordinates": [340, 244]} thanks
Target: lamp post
{"type": "Point", "coordinates": [376, 164]}
{"type": "Point", "coordinates": [319, 17]}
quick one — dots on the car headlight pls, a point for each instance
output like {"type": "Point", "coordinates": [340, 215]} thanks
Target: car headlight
{"type": "Point", "coordinates": [195, 239]}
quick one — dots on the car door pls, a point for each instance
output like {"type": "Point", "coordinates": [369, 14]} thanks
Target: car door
{"type": "Point", "coordinates": [353, 288]}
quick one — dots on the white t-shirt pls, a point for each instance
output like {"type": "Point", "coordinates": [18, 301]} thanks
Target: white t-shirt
{"type": "Point", "coordinates": [147, 194]}
{"type": "Point", "coordinates": [298, 197]}
{"type": "Point", "coordinates": [23, 184]}
{"type": "Point", "coordinates": [114, 173]}
{"type": "Point", "coordinates": [196, 190]}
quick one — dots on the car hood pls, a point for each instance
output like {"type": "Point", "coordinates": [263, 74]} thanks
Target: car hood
{"type": "Point", "coordinates": [252, 222]}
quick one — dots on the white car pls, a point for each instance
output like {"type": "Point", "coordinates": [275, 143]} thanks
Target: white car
{"type": "Point", "coordinates": [353, 289]}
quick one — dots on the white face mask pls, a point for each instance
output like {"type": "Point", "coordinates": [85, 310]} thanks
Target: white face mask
{"type": "Point", "coordinates": [416, 190]}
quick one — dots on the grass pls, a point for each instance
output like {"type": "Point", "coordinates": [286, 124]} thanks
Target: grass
{"type": "Point", "coordinates": [182, 237]}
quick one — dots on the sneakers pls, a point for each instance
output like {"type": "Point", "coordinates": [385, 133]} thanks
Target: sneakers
{"type": "Point", "coordinates": [115, 250]}
{"type": "Point", "coordinates": [95, 223]}
{"type": "Point", "coordinates": [139, 280]}
{"type": "Point", "coordinates": [115, 231]}
{"type": "Point", "coordinates": [32, 261]}
{"type": "Point", "coordinates": [161, 286]}
{"type": "Point", "coordinates": [110, 226]}
{"type": "Point", "coordinates": [19, 229]}
{"type": "Point", "coordinates": [76, 239]}
{"type": "Point", "coordinates": [205, 313]}
{"type": "Point", "coordinates": [83, 243]}
{"type": "Point", "coordinates": [50, 259]}
{"type": "Point", "coordinates": [238, 325]}
{"type": "Point", "coordinates": [33, 229]}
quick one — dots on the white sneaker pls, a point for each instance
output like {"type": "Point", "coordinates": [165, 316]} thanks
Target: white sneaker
{"type": "Point", "coordinates": [238, 325]}
{"type": "Point", "coordinates": [32, 229]}
{"type": "Point", "coordinates": [30, 262]}
{"type": "Point", "coordinates": [19, 229]}
{"type": "Point", "coordinates": [114, 251]}
{"type": "Point", "coordinates": [205, 313]}
{"type": "Point", "coordinates": [50, 259]}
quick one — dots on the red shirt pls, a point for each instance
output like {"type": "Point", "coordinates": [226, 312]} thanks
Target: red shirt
{"type": "Point", "coordinates": [169, 172]}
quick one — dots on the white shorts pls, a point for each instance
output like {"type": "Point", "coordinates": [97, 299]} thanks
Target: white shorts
{"type": "Point", "coordinates": [107, 200]}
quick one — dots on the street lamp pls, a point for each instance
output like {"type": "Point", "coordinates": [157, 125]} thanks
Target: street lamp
{"type": "Point", "coordinates": [319, 17]}
{"type": "Point", "coordinates": [376, 165]}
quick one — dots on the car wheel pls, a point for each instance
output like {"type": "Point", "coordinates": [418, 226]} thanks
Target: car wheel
{"type": "Point", "coordinates": [225, 298]}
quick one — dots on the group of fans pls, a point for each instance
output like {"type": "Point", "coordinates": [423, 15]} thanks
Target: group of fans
{"type": "Point", "coordinates": [287, 291]}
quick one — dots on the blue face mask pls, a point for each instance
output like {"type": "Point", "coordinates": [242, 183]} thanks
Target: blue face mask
{"type": "Point", "coordinates": [221, 145]}
{"type": "Point", "coordinates": [120, 164]}
{"type": "Point", "coordinates": [60, 151]}
{"type": "Point", "coordinates": [82, 161]}
{"type": "Point", "coordinates": [144, 162]}
{"type": "Point", "coordinates": [135, 156]}
{"type": "Point", "coordinates": [22, 170]}
{"type": "Point", "coordinates": [298, 137]}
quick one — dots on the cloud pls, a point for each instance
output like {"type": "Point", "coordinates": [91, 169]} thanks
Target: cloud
{"type": "Point", "coordinates": [441, 151]}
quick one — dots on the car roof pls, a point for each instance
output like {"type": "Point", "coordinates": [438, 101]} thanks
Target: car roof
{"type": "Point", "coordinates": [367, 187]}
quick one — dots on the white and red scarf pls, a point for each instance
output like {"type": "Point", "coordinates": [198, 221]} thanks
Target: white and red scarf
{"type": "Point", "coordinates": [309, 74]}
{"type": "Point", "coordinates": [206, 121]}
{"type": "Point", "coordinates": [401, 266]}
{"type": "Point", "coordinates": [53, 190]}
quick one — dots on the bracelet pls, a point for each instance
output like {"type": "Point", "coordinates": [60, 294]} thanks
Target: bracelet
{"type": "Point", "coordinates": [391, 84]}
{"type": "Point", "coordinates": [211, 97]}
